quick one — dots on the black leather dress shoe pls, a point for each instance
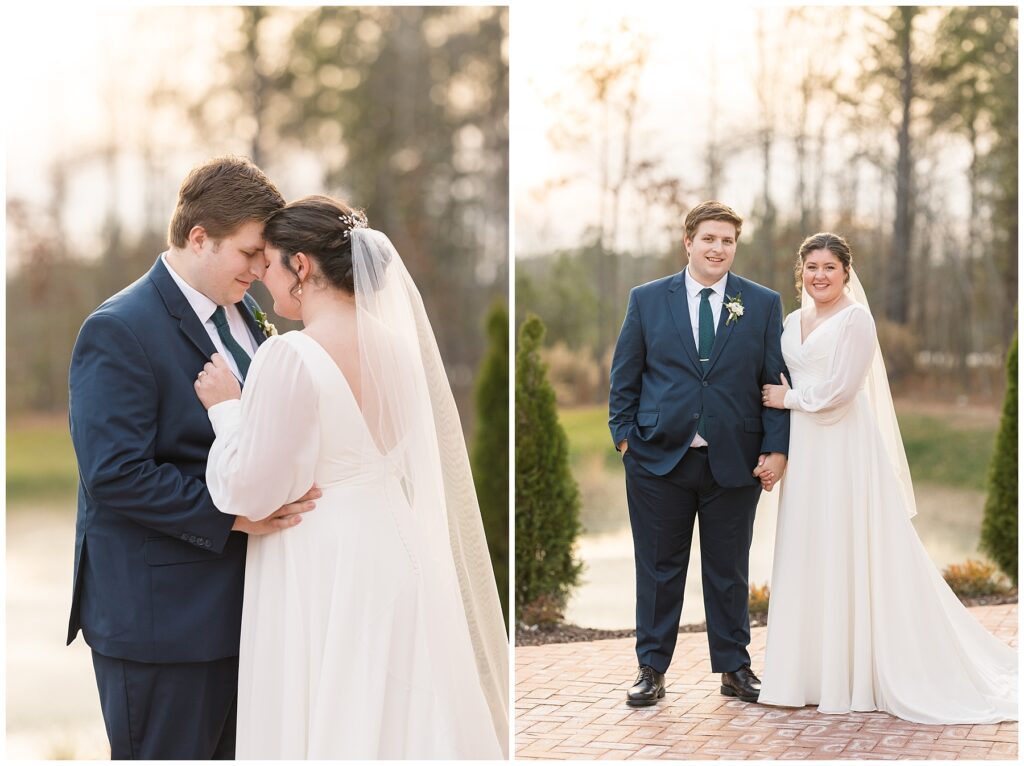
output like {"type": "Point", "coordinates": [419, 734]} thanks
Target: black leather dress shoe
{"type": "Point", "coordinates": [742, 683]}
{"type": "Point", "coordinates": [648, 688]}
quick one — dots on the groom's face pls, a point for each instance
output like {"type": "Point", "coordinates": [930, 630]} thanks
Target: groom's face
{"type": "Point", "coordinates": [711, 251]}
{"type": "Point", "coordinates": [229, 267]}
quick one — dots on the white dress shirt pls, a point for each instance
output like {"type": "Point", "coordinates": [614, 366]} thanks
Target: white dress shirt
{"type": "Point", "coordinates": [204, 308]}
{"type": "Point", "coordinates": [716, 299]}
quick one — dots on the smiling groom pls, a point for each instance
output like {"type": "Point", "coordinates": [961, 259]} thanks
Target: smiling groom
{"type": "Point", "coordinates": [685, 412]}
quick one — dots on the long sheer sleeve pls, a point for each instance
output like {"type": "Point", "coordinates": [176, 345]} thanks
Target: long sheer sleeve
{"type": "Point", "coordinates": [268, 442]}
{"type": "Point", "coordinates": [855, 349]}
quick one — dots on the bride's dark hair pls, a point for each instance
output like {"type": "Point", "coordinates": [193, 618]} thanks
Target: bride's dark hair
{"type": "Point", "coordinates": [823, 240]}
{"type": "Point", "coordinates": [320, 227]}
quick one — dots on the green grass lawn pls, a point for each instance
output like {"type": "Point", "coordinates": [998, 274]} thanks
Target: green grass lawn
{"type": "Point", "coordinates": [40, 461]}
{"type": "Point", "coordinates": [938, 453]}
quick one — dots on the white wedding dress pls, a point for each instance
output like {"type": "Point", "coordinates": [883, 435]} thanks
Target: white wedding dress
{"type": "Point", "coordinates": [859, 617]}
{"type": "Point", "coordinates": [372, 629]}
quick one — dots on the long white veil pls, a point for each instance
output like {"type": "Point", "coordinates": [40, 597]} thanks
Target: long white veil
{"type": "Point", "coordinates": [877, 387]}
{"type": "Point", "coordinates": [411, 416]}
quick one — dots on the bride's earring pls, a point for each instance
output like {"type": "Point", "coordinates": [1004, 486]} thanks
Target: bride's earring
{"type": "Point", "coordinates": [299, 291]}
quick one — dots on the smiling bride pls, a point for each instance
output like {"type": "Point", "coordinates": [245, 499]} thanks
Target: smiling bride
{"type": "Point", "coordinates": [859, 617]}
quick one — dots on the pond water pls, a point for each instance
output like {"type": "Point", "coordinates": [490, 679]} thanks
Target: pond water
{"type": "Point", "coordinates": [53, 707]}
{"type": "Point", "coordinates": [948, 522]}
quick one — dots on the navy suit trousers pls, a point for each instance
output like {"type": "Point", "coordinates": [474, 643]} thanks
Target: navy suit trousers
{"type": "Point", "coordinates": [161, 711]}
{"type": "Point", "coordinates": [662, 512]}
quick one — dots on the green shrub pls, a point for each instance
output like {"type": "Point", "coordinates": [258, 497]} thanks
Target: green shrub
{"type": "Point", "coordinates": [999, 527]}
{"type": "Point", "coordinates": [547, 498]}
{"type": "Point", "coordinates": [973, 578]}
{"type": "Point", "coordinates": [574, 375]}
{"type": "Point", "coordinates": [490, 447]}
{"type": "Point", "coordinates": [759, 595]}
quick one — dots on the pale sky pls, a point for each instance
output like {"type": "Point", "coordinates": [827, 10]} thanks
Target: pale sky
{"type": "Point", "coordinates": [691, 46]}
{"type": "Point", "coordinates": [57, 67]}
{"type": "Point", "coordinates": [73, 72]}
{"type": "Point", "coordinates": [685, 40]}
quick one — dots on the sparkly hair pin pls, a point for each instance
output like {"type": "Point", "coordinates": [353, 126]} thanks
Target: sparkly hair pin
{"type": "Point", "coordinates": [354, 220]}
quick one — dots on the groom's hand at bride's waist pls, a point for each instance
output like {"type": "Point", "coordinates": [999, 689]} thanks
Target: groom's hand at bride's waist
{"type": "Point", "coordinates": [284, 517]}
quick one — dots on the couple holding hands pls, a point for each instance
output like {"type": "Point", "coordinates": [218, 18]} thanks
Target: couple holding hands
{"type": "Point", "coordinates": [715, 397]}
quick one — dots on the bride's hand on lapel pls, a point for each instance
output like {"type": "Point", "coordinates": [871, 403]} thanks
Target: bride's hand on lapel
{"type": "Point", "coordinates": [215, 383]}
{"type": "Point", "coordinates": [775, 396]}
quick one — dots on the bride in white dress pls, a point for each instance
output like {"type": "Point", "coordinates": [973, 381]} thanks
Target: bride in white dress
{"type": "Point", "coordinates": [859, 618]}
{"type": "Point", "coordinates": [372, 629]}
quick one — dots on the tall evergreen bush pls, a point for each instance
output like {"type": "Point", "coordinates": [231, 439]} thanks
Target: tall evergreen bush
{"type": "Point", "coordinates": [547, 498]}
{"type": "Point", "coordinates": [999, 527]}
{"type": "Point", "coordinates": [490, 446]}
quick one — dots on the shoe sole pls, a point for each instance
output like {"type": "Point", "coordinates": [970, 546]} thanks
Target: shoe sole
{"type": "Point", "coordinates": [728, 691]}
{"type": "Point", "coordinates": [646, 703]}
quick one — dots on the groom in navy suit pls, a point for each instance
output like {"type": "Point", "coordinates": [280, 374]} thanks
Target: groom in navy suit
{"type": "Point", "coordinates": [685, 412]}
{"type": "Point", "coordinates": [158, 568]}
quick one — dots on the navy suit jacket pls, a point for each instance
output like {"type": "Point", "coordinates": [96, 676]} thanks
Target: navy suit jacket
{"type": "Point", "coordinates": [659, 387]}
{"type": "Point", "coordinates": [158, 573]}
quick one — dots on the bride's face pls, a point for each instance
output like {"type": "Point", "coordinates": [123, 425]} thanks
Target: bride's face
{"type": "Point", "coordinates": [280, 281]}
{"type": "Point", "coordinates": [824, 276]}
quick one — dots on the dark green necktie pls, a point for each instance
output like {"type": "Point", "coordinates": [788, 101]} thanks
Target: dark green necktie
{"type": "Point", "coordinates": [705, 327]}
{"type": "Point", "coordinates": [242, 359]}
{"type": "Point", "coordinates": [706, 341]}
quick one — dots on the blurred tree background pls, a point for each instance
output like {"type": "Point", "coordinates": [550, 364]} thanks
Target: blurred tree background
{"type": "Point", "coordinates": [402, 111]}
{"type": "Point", "coordinates": [902, 137]}
{"type": "Point", "coordinates": [894, 126]}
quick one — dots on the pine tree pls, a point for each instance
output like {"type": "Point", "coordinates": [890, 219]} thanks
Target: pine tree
{"type": "Point", "coordinates": [547, 498]}
{"type": "Point", "coordinates": [490, 447]}
{"type": "Point", "coordinates": [999, 527]}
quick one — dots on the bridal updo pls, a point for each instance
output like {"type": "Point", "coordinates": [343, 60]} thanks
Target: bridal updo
{"type": "Point", "coordinates": [320, 227]}
{"type": "Point", "coordinates": [824, 240]}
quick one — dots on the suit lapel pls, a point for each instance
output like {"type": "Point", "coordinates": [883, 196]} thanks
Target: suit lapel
{"type": "Point", "coordinates": [248, 307]}
{"type": "Point", "coordinates": [679, 307]}
{"type": "Point", "coordinates": [725, 328]}
{"type": "Point", "coordinates": [178, 307]}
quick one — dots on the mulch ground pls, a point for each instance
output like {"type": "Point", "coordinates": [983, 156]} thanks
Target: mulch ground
{"type": "Point", "coordinates": [565, 633]}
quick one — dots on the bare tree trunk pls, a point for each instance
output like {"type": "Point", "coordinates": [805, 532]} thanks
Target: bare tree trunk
{"type": "Point", "coordinates": [253, 15]}
{"type": "Point", "coordinates": [818, 186]}
{"type": "Point", "coordinates": [800, 144]}
{"type": "Point", "coordinates": [899, 295]}
{"type": "Point", "coordinates": [878, 264]}
{"type": "Point", "coordinates": [712, 152]}
{"type": "Point", "coordinates": [603, 275]}
{"type": "Point", "coordinates": [625, 176]}
{"type": "Point", "coordinates": [766, 99]}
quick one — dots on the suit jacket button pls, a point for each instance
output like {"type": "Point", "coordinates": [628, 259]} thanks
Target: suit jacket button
{"type": "Point", "coordinates": [696, 416]}
{"type": "Point", "coordinates": [705, 384]}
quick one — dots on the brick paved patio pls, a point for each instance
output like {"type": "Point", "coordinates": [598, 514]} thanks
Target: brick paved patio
{"type": "Point", "coordinates": [570, 705]}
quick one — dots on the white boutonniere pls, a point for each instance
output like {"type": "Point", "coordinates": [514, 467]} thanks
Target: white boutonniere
{"type": "Point", "coordinates": [734, 306]}
{"type": "Point", "coordinates": [265, 325]}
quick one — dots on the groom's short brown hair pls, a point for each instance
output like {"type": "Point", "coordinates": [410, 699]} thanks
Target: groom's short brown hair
{"type": "Point", "coordinates": [711, 210]}
{"type": "Point", "coordinates": [220, 195]}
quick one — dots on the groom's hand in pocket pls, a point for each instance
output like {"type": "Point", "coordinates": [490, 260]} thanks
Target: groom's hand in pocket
{"type": "Point", "coordinates": [284, 517]}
